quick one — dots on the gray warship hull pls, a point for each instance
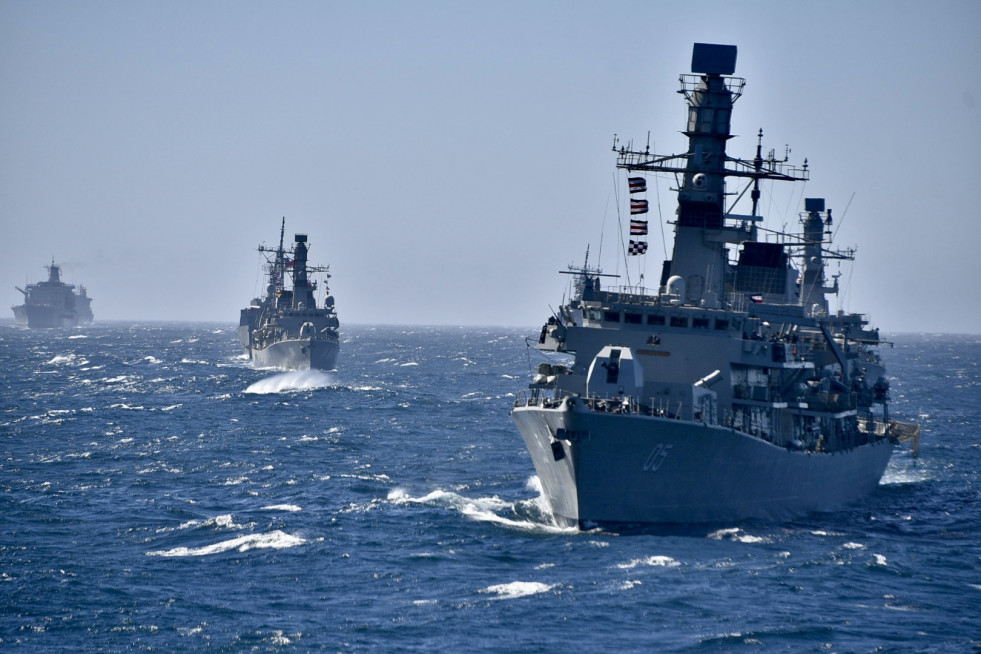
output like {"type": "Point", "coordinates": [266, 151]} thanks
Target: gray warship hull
{"type": "Point", "coordinates": [288, 329]}
{"type": "Point", "coordinates": [643, 469]}
{"type": "Point", "coordinates": [49, 317]}
{"type": "Point", "coordinates": [53, 304]}
{"type": "Point", "coordinates": [732, 391]}
{"type": "Point", "coordinates": [297, 354]}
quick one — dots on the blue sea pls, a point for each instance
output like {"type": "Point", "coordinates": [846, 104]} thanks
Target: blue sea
{"type": "Point", "coordinates": [157, 494]}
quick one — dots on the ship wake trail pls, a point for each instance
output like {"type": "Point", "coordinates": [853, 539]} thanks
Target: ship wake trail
{"type": "Point", "coordinates": [291, 381]}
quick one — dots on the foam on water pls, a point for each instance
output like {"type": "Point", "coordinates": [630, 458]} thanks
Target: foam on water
{"type": "Point", "coordinates": [61, 359]}
{"type": "Point", "coordinates": [291, 381]}
{"type": "Point", "coordinates": [489, 509]}
{"type": "Point", "coordinates": [895, 475]}
{"type": "Point", "coordinates": [656, 561]}
{"type": "Point", "coordinates": [517, 589]}
{"type": "Point", "coordinates": [736, 534]}
{"type": "Point", "coordinates": [224, 521]}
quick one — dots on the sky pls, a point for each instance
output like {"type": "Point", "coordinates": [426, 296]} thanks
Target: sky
{"type": "Point", "coordinates": [447, 159]}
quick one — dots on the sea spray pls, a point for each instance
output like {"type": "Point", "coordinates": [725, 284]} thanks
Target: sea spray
{"type": "Point", "coordinates": [291, 381]}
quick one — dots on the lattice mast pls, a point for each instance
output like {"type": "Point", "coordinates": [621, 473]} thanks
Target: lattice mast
{"type": "Point", "coordinates": [704, 227]}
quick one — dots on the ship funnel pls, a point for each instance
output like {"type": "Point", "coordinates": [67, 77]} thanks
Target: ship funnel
{"type": "Point", "coordinates": [300, 265]}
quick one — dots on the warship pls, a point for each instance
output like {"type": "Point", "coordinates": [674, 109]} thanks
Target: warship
{"type": "Point", "coordinates": [285, 328]}
{"type": "Point", "coordinates": [730, 392]}
{"type": "Point", "coordinates": [53, 303]}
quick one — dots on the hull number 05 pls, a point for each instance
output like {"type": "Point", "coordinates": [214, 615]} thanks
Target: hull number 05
{"type": "Point", "coordinates": [656, 457]}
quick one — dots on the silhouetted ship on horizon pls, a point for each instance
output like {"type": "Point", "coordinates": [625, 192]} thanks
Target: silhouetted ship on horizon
{"type": "Point", "coordinates": [53, 303]}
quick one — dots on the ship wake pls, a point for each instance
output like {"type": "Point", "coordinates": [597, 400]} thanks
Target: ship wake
{"type": "Point", "coordinates": [529, 516]}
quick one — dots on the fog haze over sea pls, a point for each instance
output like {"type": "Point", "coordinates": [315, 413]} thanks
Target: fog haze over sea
{"type": "Point", "coordinates": [446, 158]}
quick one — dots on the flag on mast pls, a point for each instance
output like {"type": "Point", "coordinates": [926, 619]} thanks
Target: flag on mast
{"type": "Point", "coordinates": [637, 184]}
{"type": "Point", "coordinates": [638, 227]}
{"type": "Point", "coordinates": [637, 247]}
{"type": "Point", "coordinates": [638, 206]}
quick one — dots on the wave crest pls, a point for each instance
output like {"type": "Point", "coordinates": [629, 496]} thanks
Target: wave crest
{"type": "Point", "coordinates": [273, 540]}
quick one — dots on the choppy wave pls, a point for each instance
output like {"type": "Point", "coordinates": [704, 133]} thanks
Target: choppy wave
{"type": "Point", "coordinates": [517, 589]}
{"type": "Point", "coordinates": [61, 359]}
{"type": "Point", "coordinates": [225, 521]}
{"type": "Point", "coordinates": [273, 540]}
{"type": "Point", "coordinates": [282, 507]}
{"type": "Point", "coordinates": [738, 535]}
{"type": "Point", "coordinates": [656, 561]}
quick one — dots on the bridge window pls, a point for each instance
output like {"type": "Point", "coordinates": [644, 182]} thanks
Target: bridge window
{"type": "Point", "coordinates": [632, 318]}
{"type": "Point", "coordinates": [655, 319]}
{"type": "Point", "coordinates": [611, 316]}
{"type": "Point", "coordinates": [679, 321]}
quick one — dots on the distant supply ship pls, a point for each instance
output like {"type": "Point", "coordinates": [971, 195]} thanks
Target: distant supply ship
{"type": "Point", "coordinates": [729, 393]}
{"type": "Point", "coordinates": [53, 303]}
{"type": "Point", "coordinates": [285, 328]}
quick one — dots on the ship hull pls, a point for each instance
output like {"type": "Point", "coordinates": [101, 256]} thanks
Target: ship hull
{"type": "Point", "coordinates": [245, 337]}
{"type": "Point", "coordinates": [297, 354]}
{"type": "Point", "coordinates": [53, 304]}
{"type": "Point", "coordinates": [48, 317]}
{"type": "Point", "coordinates": [640, 469]}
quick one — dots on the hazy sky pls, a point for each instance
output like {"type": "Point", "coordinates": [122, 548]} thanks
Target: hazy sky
{"type": "Point", "coordinates": [448, 158]}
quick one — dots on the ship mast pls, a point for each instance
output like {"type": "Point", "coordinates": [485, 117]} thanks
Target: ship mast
{"type": "Point", "coordinates": [302, 293]}
{"type": "Point", "coordinates": [702, 232]}
{"type": "Point", "coordinates": [813, 283]}
{"type": "Point", "coordinates": [277, 266]}
{"type": "Point", "coordinates": [280, 255]}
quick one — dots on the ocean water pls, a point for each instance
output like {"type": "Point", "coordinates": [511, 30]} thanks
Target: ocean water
{"type": "Point", "coordinates": [158, 494]}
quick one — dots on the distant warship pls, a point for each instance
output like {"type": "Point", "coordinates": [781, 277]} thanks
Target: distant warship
{"type": "Point", "coordinates": [285, 328]}
{"type": "Point", "coordinates": [729, 393]}
{"type": "Point", "coordinates": [53, 303]}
